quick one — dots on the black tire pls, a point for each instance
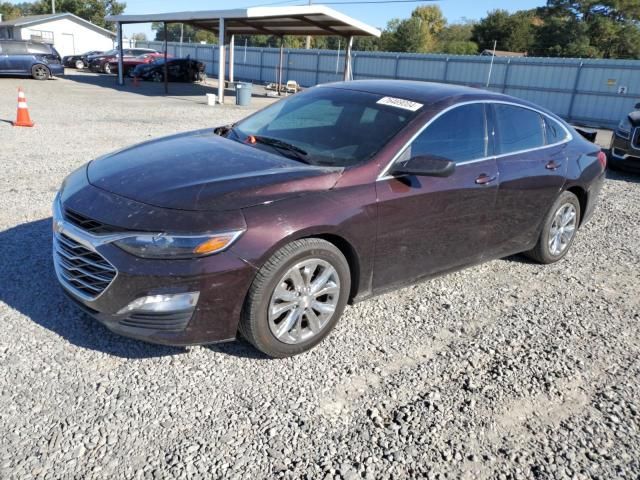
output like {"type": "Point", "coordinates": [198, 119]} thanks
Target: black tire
{"type": "Point", "coordinates": [79, 65]}
{"type": "Point", "coordinates": [542, 253]}
{"type": "Point", "coordinates": [40, 72]}
{"type": "Point", "coordinates": [254, 322]}
{"type": "Point", "coordinates": [106, 68]}
{"type": "Point", "coordinates": [157, 77]}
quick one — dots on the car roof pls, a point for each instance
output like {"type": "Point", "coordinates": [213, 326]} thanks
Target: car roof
{"type": "Point", "coordinates": [423, 92]}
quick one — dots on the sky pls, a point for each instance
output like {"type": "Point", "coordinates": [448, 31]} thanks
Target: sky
{"type": "Point", "coordinates": [376, 15]}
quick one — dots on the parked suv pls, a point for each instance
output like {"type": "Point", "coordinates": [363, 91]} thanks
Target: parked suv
{"type": "Point", "coordinates": [22, 57]}
{"type": "Point", "coordinates": [625, 144]}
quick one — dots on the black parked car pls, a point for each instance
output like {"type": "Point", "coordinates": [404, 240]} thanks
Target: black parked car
{"type": "Point", "coordinates": [79, 61]}
{"type": "Point", "coordinates": [179, 69]}
{"type": "Point", "coordinates": [21, 57]}
{"type": "Point", "coordinates": [625, 144]}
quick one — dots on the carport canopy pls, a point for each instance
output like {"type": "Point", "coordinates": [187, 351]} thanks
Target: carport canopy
{"type": "Point", "coordinates": [278, 21]}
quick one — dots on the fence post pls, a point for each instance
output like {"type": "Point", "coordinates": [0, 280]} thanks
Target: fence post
{"type": "Point", "coordinates": [261, 54]}
{"type": "Point", "coordinates": [575, 90]}
{"type": "Point", "coordinates": [446, 70]}
{"type": "Point", "coordinates": [395, 68]}
{"type": "Point", "coordinates": [317, 68]}
{"type": "Point", "coordinates": [506, 76]}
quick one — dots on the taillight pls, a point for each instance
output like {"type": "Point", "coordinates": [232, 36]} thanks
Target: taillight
{"type": "Point", "coordinates": [602, 158]}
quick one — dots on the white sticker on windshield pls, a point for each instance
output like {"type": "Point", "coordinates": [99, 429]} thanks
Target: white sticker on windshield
{"type": "Point", "coordinates": [400, 103]}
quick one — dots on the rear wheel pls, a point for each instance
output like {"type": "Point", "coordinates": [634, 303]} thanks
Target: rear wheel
{"type": "Point", "coordinates": [79, 64]}
{"type": "Point", "coordinates": [40, 72]}
{"type": "Point", "coordinates": [559, 230]}
{"type": "Point", "coordinates": [107, 68]}
{"type": "Point", "coordinates": [157, 77]}
{"type": "Point", "coordinates": [296, 298]}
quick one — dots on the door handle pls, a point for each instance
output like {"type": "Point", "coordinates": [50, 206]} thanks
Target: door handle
{"type": "Point", "coordinates": [552, 165]}
{"type": "Point", "coordinates": [485, 179]}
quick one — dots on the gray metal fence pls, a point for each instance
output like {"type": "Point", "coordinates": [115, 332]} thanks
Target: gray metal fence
{"type": "Point", "coordinates": [589, 92]}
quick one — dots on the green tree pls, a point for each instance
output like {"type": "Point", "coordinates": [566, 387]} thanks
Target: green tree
{"type": "Point", "coordinates": [189, 34]}
{"type": "Point", "coordinates": [456, 39]}
{"type": "Point", "coordinates": [92, 10]}
{"type": "Point", "coordinates": [512, 32]}
{"type": "Point", "coordinates": [606, 28]}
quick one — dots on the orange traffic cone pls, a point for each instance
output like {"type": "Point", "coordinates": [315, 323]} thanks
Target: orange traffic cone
{"type": "Point", "coordinates": [22, 116]}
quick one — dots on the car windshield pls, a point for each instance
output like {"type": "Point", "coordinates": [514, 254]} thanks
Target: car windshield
{"type": "Point", "coordinates": [332, 126]}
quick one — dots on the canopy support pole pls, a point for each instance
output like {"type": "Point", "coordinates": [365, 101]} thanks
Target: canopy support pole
{"type": "Point", "coordinates": [120, 50]}
{"type": "Point", "coordinates": [166, 67]}
{"type": "Point", "coordinates": [232, 41]}
{"type": "Point", "coordinates": [280, 62]}
{"type": "Point", "coordinates": [347, 61]}
{"type": "Point", "coordinates": [221, 62]}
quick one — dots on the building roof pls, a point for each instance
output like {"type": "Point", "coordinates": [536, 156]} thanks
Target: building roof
{"type": "Point", "coordinates": [295, 20]}
{"type": "Point", "coordinates": [36, 19]}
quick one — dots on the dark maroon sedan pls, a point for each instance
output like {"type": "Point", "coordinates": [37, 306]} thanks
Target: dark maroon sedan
{"type": "Point", "coordinates": [272, 225]}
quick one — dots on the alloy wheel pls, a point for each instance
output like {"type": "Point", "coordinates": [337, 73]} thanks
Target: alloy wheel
{"type": "Point", "coordinates": [79, 64]}
{"type": "Point", "coordinates": [156, 77]}
{"type": "Point", "coordinates": [40, 72]}
{"type": "Point", "coordinates": [304, 301]}
{"type": "Point", "coordinates": [562, 229]}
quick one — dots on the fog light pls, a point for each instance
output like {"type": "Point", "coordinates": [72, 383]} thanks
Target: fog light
{"type": "Point", "coordinates": [163, 303]}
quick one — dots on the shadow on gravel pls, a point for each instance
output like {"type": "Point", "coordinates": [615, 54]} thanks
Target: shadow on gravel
{"type": "Point", "coordinates": [28, 285]}
{"type": "Point", "coordinates": [177, 90]}
{"type": "Point", "coordinates": [623, 176]}
{"type": "Point", "coordinates": [520, 258]}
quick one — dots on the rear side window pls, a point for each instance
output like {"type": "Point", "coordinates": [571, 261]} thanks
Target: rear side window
{"type": "Point", "coordinates": [38, 48]}
{"type": "Point", "coordinates": [458, 135]}
{"type": "Point", "coordinates": [518, 129]}
{"type": "Point", "coordinates": [554, 132]}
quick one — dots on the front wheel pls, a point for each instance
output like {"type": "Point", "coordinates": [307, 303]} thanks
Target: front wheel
{"type": "Point", "coordinates": [79, 64]}
{"type": "Point", "coordinates": [107, 68]}
{"type": "Point", "coordinates": [157, 77]}
{"type": "Point", "coordinates": [559, 230]}
{"type": "Point", "coordinates": [296, 298]}
{"type": "Point", "coordinates": [40, 72]}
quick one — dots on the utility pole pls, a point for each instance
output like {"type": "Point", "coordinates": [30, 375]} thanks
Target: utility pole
{"type": "Point", "coordinates": [53, 6]}
{"type": "Point", "coordinates": [308, 46]}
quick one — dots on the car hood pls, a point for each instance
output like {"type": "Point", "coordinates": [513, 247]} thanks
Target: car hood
{"type": "Point", "coordinates": [202, 171]}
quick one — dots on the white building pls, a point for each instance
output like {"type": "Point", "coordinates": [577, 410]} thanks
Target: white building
{"type": "Point", "coordinates": [68, 33]}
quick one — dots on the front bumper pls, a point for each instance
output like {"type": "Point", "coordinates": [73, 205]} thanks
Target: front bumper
{"type": "Point", "coordinates": [625, 153]}
{"type": "Point", "coordinates": [222, 281]}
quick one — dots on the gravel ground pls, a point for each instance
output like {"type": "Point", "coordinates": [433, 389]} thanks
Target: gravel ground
{"type": "Point", "coordinates": [507, 370]}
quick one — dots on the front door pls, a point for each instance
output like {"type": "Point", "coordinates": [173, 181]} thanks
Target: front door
{"type": "Point", "coordinates": [428, 225]}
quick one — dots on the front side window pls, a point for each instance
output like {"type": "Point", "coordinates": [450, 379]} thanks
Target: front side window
{"type": "Point", "coordinates": [457, 135]}
{"type": "Point", "coordinates": [334, 126]}
{"type": "Point", "coordinates": [517, 129]}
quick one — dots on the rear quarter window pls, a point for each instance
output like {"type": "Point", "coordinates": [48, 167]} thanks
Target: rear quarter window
{"type": "Point", "coordinates": [554, 132]}
{"type": "Point", "coordinates": [14, 48]}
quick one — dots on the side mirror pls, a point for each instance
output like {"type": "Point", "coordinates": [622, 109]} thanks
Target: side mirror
{"type": "Point", "coordinates": [426, 166]}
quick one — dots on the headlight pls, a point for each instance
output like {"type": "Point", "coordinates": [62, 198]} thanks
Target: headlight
{"type": "Point", "coordinates": [624, 128]}
{"type": "Point", "coordinates": [177, 246]}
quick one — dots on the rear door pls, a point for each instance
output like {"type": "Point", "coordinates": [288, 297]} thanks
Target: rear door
{"type": "Point", "coordinates": [19, 59]}
{"type": "Point", "coordinates": [532, 164]}
{"type": "Point", "coordinates": [428, 225]}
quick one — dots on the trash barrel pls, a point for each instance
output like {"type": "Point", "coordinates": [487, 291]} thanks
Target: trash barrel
{"type": "Point", "coordinates": [243, 93]}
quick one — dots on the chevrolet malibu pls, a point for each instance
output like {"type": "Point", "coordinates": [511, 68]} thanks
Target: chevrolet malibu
{"type": "Point", "coordinates": [271, 226]}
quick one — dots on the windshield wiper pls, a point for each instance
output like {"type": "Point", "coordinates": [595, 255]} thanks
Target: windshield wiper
{"type": "Point", "coordinates": [299, 153]}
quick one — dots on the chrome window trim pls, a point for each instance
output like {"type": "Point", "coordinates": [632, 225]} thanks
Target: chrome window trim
{"type": "Point", "coordinates": [384, 175]}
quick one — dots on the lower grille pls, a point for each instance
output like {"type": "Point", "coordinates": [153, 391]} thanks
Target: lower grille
{"type": "Point", "coordinates": [166, 322]}
{"type": "Point", "coordinates": [85, 271]}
